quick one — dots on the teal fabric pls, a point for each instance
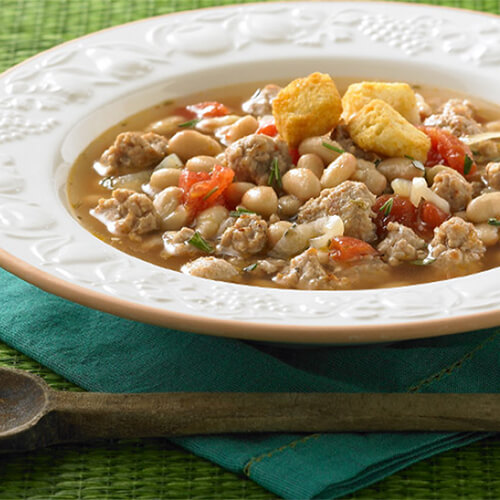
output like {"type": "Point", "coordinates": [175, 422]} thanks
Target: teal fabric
{"type": "Point", "coordinates": [101, 352]}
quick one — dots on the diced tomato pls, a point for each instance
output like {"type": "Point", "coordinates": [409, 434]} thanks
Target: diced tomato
{"type": "Point", "coordinates": [422, 219]}
{"type": "Point", "coordinates": [402, 211]}
{"type": "Point", "coordinates": [429, 217]}
{"type": "Point", "coordinates": [295, 155]}
{"type": "Point", "coordinates": [268, 129]}
{"type": "Point", "coordinates": [208, 109]}
{"type": "Point", "coordinates": [448, 149]}
{"type": "Point", "coordinates": [345, 248]}
{"type": "Point", "coordinates": [203, 190]}
{"type": "Point", "coordinates": [185, 113]}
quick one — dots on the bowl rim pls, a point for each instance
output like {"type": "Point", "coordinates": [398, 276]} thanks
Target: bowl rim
{"type": "Point", "coordinates": [326, 334]}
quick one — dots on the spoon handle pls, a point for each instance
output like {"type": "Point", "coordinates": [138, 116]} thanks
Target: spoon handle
{"type": "Point", "coordinates": [83, 416]}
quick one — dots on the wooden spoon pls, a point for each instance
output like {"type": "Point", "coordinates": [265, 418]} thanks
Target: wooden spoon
{"type": "Point", "coordinates": [32, 415]}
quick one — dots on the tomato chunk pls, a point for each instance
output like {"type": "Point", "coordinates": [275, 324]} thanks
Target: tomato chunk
{"type": "Point", "coordinates": [208, 109]}
{"type": "Point", "coordinates": [429, 217]}
{"type": "Point", "coordinates": [345, 248]}
{"type": "Point", "coordinates": [295, 155]}
{"type": "Point", "coordinates": [400, 210]}
{"type": "Point", "coordinates": [448, 149]}
{"type": "Point", "coordinates": [203, 190]}
{"type": "Point", "coordinates": [268, 129]}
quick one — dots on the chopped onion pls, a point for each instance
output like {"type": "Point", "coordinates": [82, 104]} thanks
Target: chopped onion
{"type": "Point", "coordinates": [299, 236]}
{"type": "Point", "coordinates": [333, 227]}
{"type": "Point", "coordinates": [170, 161]}
{"type": "Point", "coordinates": [420, 190]}
{"type": "Point", "coordinates": [476, 138]}
{"type": "Point", "coordinates": [401, 187]}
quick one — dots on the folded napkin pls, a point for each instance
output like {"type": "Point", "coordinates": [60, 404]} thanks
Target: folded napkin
{"type": "Point", "coordinates": [103, 353]}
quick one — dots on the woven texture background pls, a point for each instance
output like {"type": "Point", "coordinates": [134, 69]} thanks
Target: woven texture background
{"type": "Point", "coordinates": [154, 469]}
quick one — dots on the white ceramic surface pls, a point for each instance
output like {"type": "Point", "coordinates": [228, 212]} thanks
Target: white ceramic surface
{"type": "Point", "coordinates": [54, 104]}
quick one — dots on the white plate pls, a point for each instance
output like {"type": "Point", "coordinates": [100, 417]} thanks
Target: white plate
{"type": "Point", "coordinates": [54, 104]}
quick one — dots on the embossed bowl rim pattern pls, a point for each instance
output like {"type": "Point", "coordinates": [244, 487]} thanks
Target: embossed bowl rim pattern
{"type": "Point", "coordinates": [54, 104]}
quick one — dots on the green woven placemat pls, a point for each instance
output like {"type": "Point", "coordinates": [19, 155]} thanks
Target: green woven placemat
{"type": "Point", "coordinates": [154, 469]}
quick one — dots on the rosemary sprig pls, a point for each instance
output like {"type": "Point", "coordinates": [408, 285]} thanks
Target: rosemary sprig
{"type": "Point", "coordinates": [467, 164]}
{"type": "Point", "coordinates": [240, 211]}
{"type": "Point", "coordinates": [333, 148]}
{"type": "Point", "coordinates": [189, 124]}
{"type": "Point", "coordinates": [387, 206]}
{"type": "Point", "coordinates": [200, 243]}
{"type": "Point", "coordinates": [275, 174]}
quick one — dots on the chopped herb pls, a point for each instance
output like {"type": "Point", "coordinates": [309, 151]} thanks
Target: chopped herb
{"type": "Point", "coordinates": [189, 124]}
{"type": "Point", "coordinates": [387, 207]}
{"type": "Point", "coordinates": [107, 182]}
{"type": "Point", "coordinates": [251, 267]}
{"type": "Point", "coordinates": [493, 222]}
{"type": "Point", "coordinates": [200, 243]}
{"type": "Point", "coordinates": [467, 164]}
{"type": "Point", "coordinates": [211, 192]}
{"type": "Point", "coordinates": [416, 163]}
{"type": "Point", "coordinates": [240, 211]}
{"type": "Point", "coordinates": [333, 148]}
{"type": "Point", "coordinates": [423, 262]}
{"type": "Point", "coordinates": [377, 162]}
{"type": "Point", "coordinates": [275, 174]}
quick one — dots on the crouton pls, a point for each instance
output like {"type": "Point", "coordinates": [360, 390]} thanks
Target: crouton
{"type": "Point", "coordinates": [307, 107]}
{"type": "Point", "coordinates": [399, 95]}
{"type": "Point", "coordinates": [380, 128]}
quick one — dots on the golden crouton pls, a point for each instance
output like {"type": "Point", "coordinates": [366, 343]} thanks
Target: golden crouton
{"type": "Point", "coordinates": [307, 107]}
{"type": "Point", "coordinates": [380, 128]}
{"type": "Point", "coordinates": [399, 95]}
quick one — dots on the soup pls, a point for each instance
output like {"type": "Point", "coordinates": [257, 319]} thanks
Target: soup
{"type": "Point", "coordinates": [298, 187]}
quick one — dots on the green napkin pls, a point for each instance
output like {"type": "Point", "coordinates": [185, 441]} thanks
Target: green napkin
{"type": "Point", "coordinates": [103, 353]}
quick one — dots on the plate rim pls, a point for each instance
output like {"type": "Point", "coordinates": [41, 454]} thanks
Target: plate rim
{"type": "Point", "coordinates": [322, 334]}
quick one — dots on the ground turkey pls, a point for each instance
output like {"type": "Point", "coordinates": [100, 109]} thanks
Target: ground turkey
{"type": "Point", "coordinates": [456, 244]}
{"type": "Point", "coordinates": [176, 243]}
{"type": "Point", "coordinates": [351, 201]}
{"type": "Point", "coordinates": [306, 272]}
{"type": "Point", "coordinates": [493, 175]}
{"type": "Point", "coordinates": [260, 104]}
{"type": "Point", "coordinates": [452, 186]}
{"type": "Point", "coordinates": [252, 157]}
{"type": "Point", "coordinates": [401, 245]}
{"type": "Point", "coordinates": [248, 235]}
{"type": "Point", "coordinates": [132, 151]}
{"type": "Point", "coordinates": [456, 116]}
{"type": "Point", "coordinates": [211, 268]}
{"type": "Point", "coordinates": [127, 212]}
{"type": "Point", "coordinates": [342, 137]}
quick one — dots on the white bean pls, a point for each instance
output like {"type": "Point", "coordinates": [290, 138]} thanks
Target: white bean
{"type": "Point", "coordinates": [316, 145]}
{"type": "Point", "coordinates": [288, 205]}
{"type": "Point", "coordinates": [201, 163]}
{"type": "Point", "coordinates": [189, 143]}
{"type": "Point", "coordinates": [276, 231]}
{"type": "Point", "coordinates": [165, 177]}
{"type": "Point", "coordinates": [493, 126]}
{"type": "Point", "coordinates": [261, 200]}
{"type": "Point", "coordinates": [244, 126]}
{"type": "Point", "coordinates": [399, 168]}
{"type": "Point", "coordinates": [166, 127]}
{"type": "Point", "coordinates": [339, 170]}
{"type": "Point", "coordinates": [176, 220]}
{"type": "Point", "coordinates": [236, 190]}
{"type": "Point", "coordinates": [487, 233]}
{"type": "Point", "coordinates": [312, 162]}
{"type": "Point", "coordinates": [166, 201]}
{"type": "Point", "coordinates": [302, 183]}
{"type": "Point", "coordinates": [368, 174]}
{"type": "Point", "coordinates": [484, 207]}
{"type": "Point", "coordinates": [207, 223]}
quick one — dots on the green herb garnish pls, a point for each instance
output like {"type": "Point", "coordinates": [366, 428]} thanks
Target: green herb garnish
{"type": "Point", "coordinates": [240, 211]}
{"type": "Point", "coordinates": [493, 222]}
{"type": "Point", "coordinates": [211, 192]}
{"type": "Point", "coordinates": [387, 207]}
{"type": "Point", "coordinates": [275, 174]}
{"type": "Point", "coordinates": [423, 262]}
{"type": "Point", "coordinates": [189, 124]}
{"type": "Point", "coordinates": [416, 163]}
{"type": "Point", "coordinates": [333, 148]}
{"type": "Point", "coordinates": [251, 267]}
{"type": "Point", "coordinates": [467, 164]}
{"type": "Point", "coordinates": [377, 162]}
{"type": "Point", "coordinates": [200, 243]}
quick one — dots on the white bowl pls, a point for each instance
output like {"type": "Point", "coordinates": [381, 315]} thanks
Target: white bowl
{"type": "Point", "coordinates": [54, 104]}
